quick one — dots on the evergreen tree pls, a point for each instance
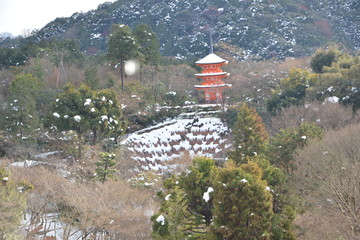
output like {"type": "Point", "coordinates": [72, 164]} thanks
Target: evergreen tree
{"type": "Point", "coordinates": [339, 81]}
{"type": "Point", "coordinates": [323, 58]}
{"type": "Point", "coordinates": [274, 176]}
{"type": "Point", "coordinates": [174, 221]}
{"type": "Point", "coordinates": [91, 78]}
{"type": "Point", "coordinates": [149, 44]}
{"type": "Point", "coordinates": [105, 114]}
{"type": "Point", "coordinates": [83, 109]}
{"type": "Point", "coordinates": [196, 183]}
{"type": "Point", "coordinates": [17, 117]}
{"type": "Point", "coordinates": [122, 46]}
{"type": "Point", "coordinates": [291, 90]}
{"type": "Point", "coordinates": [249, 135]}
{"type": "Point", "coordinates": [69, 113]}
{"type": "Point", "coordinates": [281, 222]}
{"type": "Point", "coordinates": [17, 114]}
{"type": "Point", "coordinates": [287, 141]}
{"type": "Point", "coordinates": [104, 170]}
{"type": "Point", "coordinates": [242, 203]}
{"type": "Point", "coordinates": [188, 204]}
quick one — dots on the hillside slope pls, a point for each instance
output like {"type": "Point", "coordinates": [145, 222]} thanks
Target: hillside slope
{"type": "Point", "coordinates": [157, 146]}
{"type": "Point", "coordinates": [265, 28]}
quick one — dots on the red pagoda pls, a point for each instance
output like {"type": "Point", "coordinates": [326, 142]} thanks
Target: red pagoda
{"type": "Point", "coordinates": [211, 77]}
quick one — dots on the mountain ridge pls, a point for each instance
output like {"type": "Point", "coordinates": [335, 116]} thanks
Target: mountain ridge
{"type": "Point", "coordinates": [264, 28]}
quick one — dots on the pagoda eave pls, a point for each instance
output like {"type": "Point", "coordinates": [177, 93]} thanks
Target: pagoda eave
{"type": "Point", "coordinates": [204, 64]}
{"type": "Point", "coordinates": [223, 74]}
{"type": "Point", "coordinates": [212, 86]}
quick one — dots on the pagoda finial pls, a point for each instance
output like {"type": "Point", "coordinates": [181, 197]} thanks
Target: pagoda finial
{"type": "Point", "coordinates": [211, 42]}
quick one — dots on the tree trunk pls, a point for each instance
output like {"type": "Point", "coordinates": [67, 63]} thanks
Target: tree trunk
{"type": "Point", "coordinates": [94, 136]}
{"type": "Point", "coordinates": [122, 74]}
{"type": "Point", "coordinates": [105, 169]}
{"type": "Point", "coordinates": [79, 144]}
{"type": "Point", "coordinates": [141, 70]}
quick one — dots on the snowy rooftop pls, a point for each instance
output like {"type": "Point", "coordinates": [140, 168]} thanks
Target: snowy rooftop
{"type": "Point", "coordinates": [211, 58]}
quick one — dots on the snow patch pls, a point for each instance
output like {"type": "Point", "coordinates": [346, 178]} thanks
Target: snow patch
{"type": "Point", "coordinates": [161, 219]}
{"type": "Point", "coordinates": [77, 118]}
{"type": "Point", "coordinates": [87, 102]}
{"type": "Point", "coordinates": [206, 195]}
{"type": "Point", "coordinates": [243, 180]}
{"type": "Point", "coordinates": [333, 99]}
{"type": "Point", "coordinates": [167, 197]}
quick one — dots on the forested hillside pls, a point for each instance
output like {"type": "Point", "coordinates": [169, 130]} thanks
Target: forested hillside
{"type": "Point", "coordinates": [103, 136]}
{"type": "Point", "coordinates": [262, 28]}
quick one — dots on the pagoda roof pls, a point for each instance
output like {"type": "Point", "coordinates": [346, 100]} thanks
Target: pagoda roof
{"type": "Point", "coordinates": [213, 86]}
{"type": "Point", "coordinates": [211, 74]}
{"type": "Point", "coordinates": [211, 59]}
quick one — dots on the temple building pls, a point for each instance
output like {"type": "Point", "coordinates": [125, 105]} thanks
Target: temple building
{"type": "Point", "coordinates": [211, 76]}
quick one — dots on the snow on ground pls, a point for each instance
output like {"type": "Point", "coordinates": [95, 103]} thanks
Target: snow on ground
{"type": "Point", "coordinates": [26, 163]}
{"type": "Point", "coordinates": [47, 154]}
{"type": "Point", "coordinates": [154, 146]}
{"type": "Point", "coordinates": [50, 226]}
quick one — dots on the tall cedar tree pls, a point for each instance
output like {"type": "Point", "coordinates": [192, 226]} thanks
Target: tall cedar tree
{"type": "Point", "coordinates": [174, 220]}
{"type": "Point", "coordinates": [252, 141]}
{"type": "Point", "coordinates": [250, 136]}
{"type": "Point", "coordinates": [149, 44]}
{"type": "Point", "coordinates": [122, 47]}
{"type": "Point", "coordinates": [187, 191]}
{"type": "Point", "coordinates": [91, 78]}
{"type": "Point", "coordinates": [243, 204]}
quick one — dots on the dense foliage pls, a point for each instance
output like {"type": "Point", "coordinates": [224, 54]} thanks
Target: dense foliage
{"type": "Point", "coordinates": [249, 135]}
{"type": "Point", "coordinates": [243, 206]}
{"type": "Point", "coordinates": [82, 110]}
{"type": "Point", "coordinates": [291, 90]}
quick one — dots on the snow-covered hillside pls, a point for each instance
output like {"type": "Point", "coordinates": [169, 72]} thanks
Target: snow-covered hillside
{"type": "Point", "coordinates": [156, 146]}
{"type": "Point", "coordinates": [263, 28]}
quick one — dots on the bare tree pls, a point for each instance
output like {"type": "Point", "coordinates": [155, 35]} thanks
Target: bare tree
{"type": "Point", "coordinates": [331, 168]}
{"type": "Point", "coordinates": [85, 209]}
{"type": "Point", "coordinates": [109, 210]}
{"type": "Point", "coordinates": [328, 116]}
